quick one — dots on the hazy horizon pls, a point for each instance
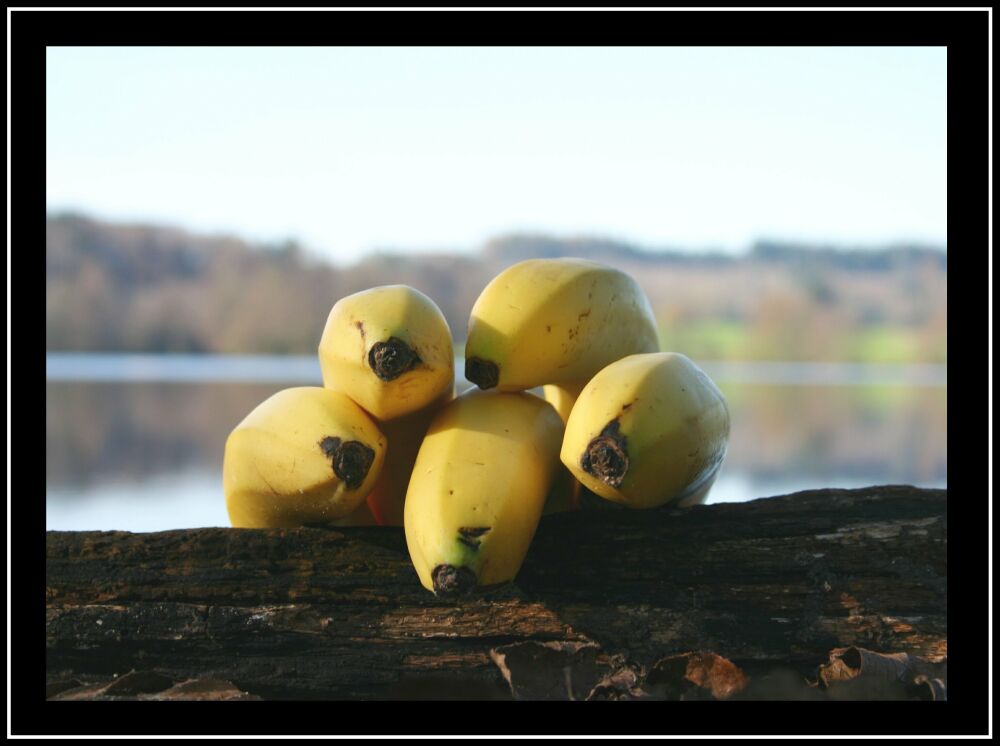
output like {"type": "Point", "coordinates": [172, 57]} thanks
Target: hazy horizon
{"type": "Point", "coordinates": [354, 151]}
{"type": "Point", "coordinates": [430, 251]}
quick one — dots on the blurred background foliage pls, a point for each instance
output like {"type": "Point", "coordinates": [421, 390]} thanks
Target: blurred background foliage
{"type": "Point", "coordinates": [146, 288]}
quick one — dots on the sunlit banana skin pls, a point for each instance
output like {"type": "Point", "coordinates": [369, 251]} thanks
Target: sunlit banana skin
{"type": "Point", "coordinates": [360, 516]}
{"type": "Point", "coordinates": [648, 430]}
{"type": "Point", "coordinates": [304, 455]}
{"type": "Point", "coordinates": [555, 321]}
{"type": "Point", "coordinates": [388, 348]}
{"type": "Point", "coordinates": [478, 488]}
{"type": "Point", "coordinates": [563, 397]}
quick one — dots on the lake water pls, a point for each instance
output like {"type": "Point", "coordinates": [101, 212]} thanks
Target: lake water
{"type": "Point", "coordinates": [135, 442]}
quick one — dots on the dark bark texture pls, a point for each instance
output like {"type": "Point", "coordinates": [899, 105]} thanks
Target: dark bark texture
{"type": "Point", "coordinates": [774, 584]}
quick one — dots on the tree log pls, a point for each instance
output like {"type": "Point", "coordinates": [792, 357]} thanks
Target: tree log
{"type": "Point", "coordinates": [336, 613]}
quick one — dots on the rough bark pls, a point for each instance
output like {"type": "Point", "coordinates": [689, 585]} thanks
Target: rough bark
{"type": "Point", "coordinates": [338, 613]}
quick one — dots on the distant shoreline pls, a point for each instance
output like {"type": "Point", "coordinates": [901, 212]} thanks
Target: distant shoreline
{"type": "Point", "coordinates": [72, 367]}
{"type": "Point", "coordinates": [137, 288]}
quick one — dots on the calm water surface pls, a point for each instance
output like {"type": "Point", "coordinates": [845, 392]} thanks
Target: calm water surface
{"type": "Point", "coordinates": [135, 442]}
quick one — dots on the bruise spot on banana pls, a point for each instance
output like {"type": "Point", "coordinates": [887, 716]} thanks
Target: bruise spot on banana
{"type": "Point", "coordinates": [351, 460]}
{"type": "Point", "coordinates": [329, 445]}
{"type": "Point", "coordinates": [606, 456]}
{"type": "Point", "coordinates": [484, 373]}
{"type": "Point", "coordinates": [449, 580]}
{"type": "Point", "coordinates": [470, 536]}
{"type": "Point", "coordinates": [392, 358]}
{"type": "Point", "coordinates": [360, 326]}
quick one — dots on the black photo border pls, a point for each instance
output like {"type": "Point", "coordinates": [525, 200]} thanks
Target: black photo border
{"type": "Point", "coordinates": [964, 33]}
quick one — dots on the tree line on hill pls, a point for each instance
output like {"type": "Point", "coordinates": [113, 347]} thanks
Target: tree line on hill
{"type": "Point", "coordinates": [117, 287]}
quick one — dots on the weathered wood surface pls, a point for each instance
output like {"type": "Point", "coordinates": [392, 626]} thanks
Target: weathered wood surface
{"type": "Point", "coordinates": [339, 613]}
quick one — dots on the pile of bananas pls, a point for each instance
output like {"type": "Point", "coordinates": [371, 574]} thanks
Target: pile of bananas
{"type": "Point", "coordinates": [385, 441]}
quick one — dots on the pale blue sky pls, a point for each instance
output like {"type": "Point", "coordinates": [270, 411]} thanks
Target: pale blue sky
{"type": "Point", "coordinates": [355, 149]}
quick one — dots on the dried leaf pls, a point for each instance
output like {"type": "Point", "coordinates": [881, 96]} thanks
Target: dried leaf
{"type": "Point", "coordinates": [933, 689]}
{"type": "Point", "coordinates": [549, 670]}
{"type": "Point", "coordinates": [695, 676]}
{"type": "Point", "coordinates": [621, 684]}
{"type": "Point", "coordinates": [857, 673]}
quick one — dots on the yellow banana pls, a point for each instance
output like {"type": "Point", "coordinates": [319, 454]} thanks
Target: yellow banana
{"type": "Point", "coordinates": [388, 348]}
{"type": "Point", "coordinates": [478, 488]}
{"type": "Point", "coordinates": [563, 397]}
{"type": "Point", "coordinates": [647, 430]}
{"type": "Point", "coordinates": [404, 435]}
{"type": "Point", "coordinates": [360, 516]}
{"type": "Point", "coordinates": [304, 455]}
{"type": "Point", "coordinates": [565, 492]}
{"type": "Point", "coordinates": [555, 321]}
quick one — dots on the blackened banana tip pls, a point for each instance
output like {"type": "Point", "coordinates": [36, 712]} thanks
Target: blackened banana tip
{"type": "Point", "coordinates": [453, 581]}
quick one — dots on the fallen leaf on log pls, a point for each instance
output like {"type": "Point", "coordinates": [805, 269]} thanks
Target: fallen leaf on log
{"type": "Point", "coordinates": [857, 673]}
{"type": "Point", "coordinates": [550, 670]}
{"type": "Point", "coordinates": [556, 670]}
{"type": "Point", "coordinates": [933, 689]}
{"type": "Point", "coordinates": [694, 676]}
{"type": "Point", "coordinates": [622, 684]}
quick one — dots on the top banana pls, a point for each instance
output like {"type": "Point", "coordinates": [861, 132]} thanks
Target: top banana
{"type": "Point", "coordinates": [388, 348]}
{"type": "Point", "coordinates": [555, 321]}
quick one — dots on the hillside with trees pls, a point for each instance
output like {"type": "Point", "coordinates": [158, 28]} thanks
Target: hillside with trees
{"type": "Point", "coordinates": [118, 287]}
